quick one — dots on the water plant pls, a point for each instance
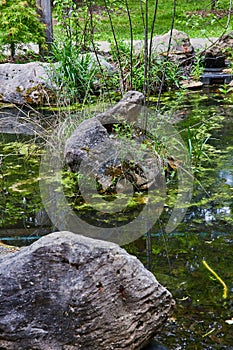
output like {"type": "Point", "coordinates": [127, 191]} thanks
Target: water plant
{"type": "Point", "coordinates": [19, 194]}
{"type": "Point", "coordinates": [217, 277]}
{"type": "Point", "coordinates": [197, 67]}
{"type": "Point", "coordinates": [225, 89]}
{"type": "Point", "coordinates": [197, 140]}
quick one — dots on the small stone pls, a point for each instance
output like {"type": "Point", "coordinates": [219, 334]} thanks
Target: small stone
{"type": "Point", "coordinates": [192, 85]}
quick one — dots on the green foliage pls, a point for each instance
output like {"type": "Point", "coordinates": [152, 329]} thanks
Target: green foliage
{"type": "Point", "coordinates": [196, 143]}
{"type": "Point", "coordinates": [225, 89]}
{"type": "Point", "coordinates": [161, 71]}
{"type": "Point", "coordinates": [197, 21]}
{"type": "Point", "coordinates": [74, 73]}
{"type": "Point", "coordinates": [75, 70]}
{"type": "Point", "coordinates": [172, 73]}
{"type": "Point", "coordinates": [192, 17]}
{"type": "Point", "coordinates": [197, 67]}
{"type": "Point", "coordinates": [20, 23]}
{"type": "Point", "coordinates": [73, 22]}
{"type": "Point", "coordinates": [177, 263]}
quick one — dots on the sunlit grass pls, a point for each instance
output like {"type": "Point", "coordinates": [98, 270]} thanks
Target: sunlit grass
{"type": "Point", "coordinates": [195, 26]}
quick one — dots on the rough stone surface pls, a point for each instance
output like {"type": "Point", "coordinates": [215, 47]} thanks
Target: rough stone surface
{"type": "Point", "coordinates": [108, 67]}
{"type": "Point", "coordinates": [107, 158]}
{"type": "Point", "coordinates": [11, 125]}
{"type": "Point", "coordinates": [201, 44]}
{"type": "Point", "coordinates": [226, 41]}
{"type": "Point", "coordinates": [191, 84]}
{"type": "Point", "coordinates": [214, 51]}
{"type": "Point", "coordinates": [30, 83]}
{"type": "Point", "coordinates": [14, 121]}
{"type": "Point", "coordinates": [127, 108]}
{"type": "Point", "coordinates": [89, 134]}
{"type": "Point", "coordinates": [69, 292]}
{"type": "Point", "coordinates": [178, 50]}
{"type": "Point", "coordinates": [25, 83]}
{"type": "Point", "coordinates": [180, 43]}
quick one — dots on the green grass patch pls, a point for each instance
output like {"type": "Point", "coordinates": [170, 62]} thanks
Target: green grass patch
{"type": "Point", "coordinates": [193, 17]}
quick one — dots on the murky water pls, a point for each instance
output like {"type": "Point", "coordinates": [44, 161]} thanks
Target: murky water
{"type": "Point", "coordinates": [203, 317]}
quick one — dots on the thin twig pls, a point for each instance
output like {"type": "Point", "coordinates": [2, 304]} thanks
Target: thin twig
{"type": "Point", "coordinates": [131, 44]}
{"type": "Point", "coordinates": [116, 44]}
{"type": "Point", "coordinates": [145, 83]}
{"type": "Point", "coordinates": [167, 54]}
{"type": "Point", "coordinates": [96, 53]}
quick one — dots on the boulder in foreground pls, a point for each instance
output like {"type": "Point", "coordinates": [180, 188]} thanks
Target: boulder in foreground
{"type": "Point", "coordinates": [66, 291]}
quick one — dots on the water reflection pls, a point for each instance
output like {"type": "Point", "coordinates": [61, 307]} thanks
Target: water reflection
{"type": "Point", "coordinates": [227, 176]}
{"type": "Point", "coordinates": [212, 200]}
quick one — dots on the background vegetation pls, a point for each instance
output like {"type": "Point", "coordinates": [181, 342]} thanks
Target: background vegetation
{"type": "Point", "coordinates": [19, 23]}
{"type": "Point", "coordinates": [196, 18]}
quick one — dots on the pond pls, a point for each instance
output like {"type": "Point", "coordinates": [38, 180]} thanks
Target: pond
{"type": "Point", "coordinates": [204, 314]}
{"type": "Point", "coordinates": [203, 317]}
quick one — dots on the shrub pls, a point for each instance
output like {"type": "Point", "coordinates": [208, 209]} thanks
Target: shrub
{"type": "Point", "coordinates": [74, 73]}
{"type": "Point", "coordinates": [19, 23]}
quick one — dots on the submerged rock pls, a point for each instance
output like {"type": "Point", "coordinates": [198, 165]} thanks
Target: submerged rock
{"type": "Point", "coordinates": [11, 125]}
{"type": "Point", "coordinates": [153, 345]}
{"type": "Point", "coordinates": [66, 291]}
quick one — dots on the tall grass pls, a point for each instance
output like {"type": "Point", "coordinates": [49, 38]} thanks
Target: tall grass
{"type": "Point", "coordinates": [74, 73]}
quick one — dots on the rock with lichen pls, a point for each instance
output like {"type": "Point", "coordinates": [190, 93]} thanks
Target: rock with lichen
{"type": "Point", "coordinates": [26, 83]}
{"type": "Point", "coordinates": [67, 291]}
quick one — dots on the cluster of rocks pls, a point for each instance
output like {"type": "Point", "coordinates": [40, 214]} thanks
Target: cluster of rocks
{"type": "Point", "coordinates": [67, 291]}
{"type": "Point", "coordinates": [31, 83]}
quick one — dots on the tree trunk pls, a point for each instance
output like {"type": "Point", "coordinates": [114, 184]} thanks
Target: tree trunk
{"type": "Point", "coordinates": [45, 12]}
{"type": "Point", "coordinates": [12, 49]}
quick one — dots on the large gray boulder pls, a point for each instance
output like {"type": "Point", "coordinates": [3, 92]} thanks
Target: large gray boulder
{"type": "Point", "coordinates": [32, 83]}
{"type": "Point", "coordinates": [90, 133]}
{"type": "Point", "coordinates": [106, 158]}
{"type": "Point", "coordinates": [67, 292]}
{"type": "Point", "coordinates": [25, 83]}
{"type": "Point", "coordinates": [93, 132]}
{"type": "Point", "coordinates": [180, 43]}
